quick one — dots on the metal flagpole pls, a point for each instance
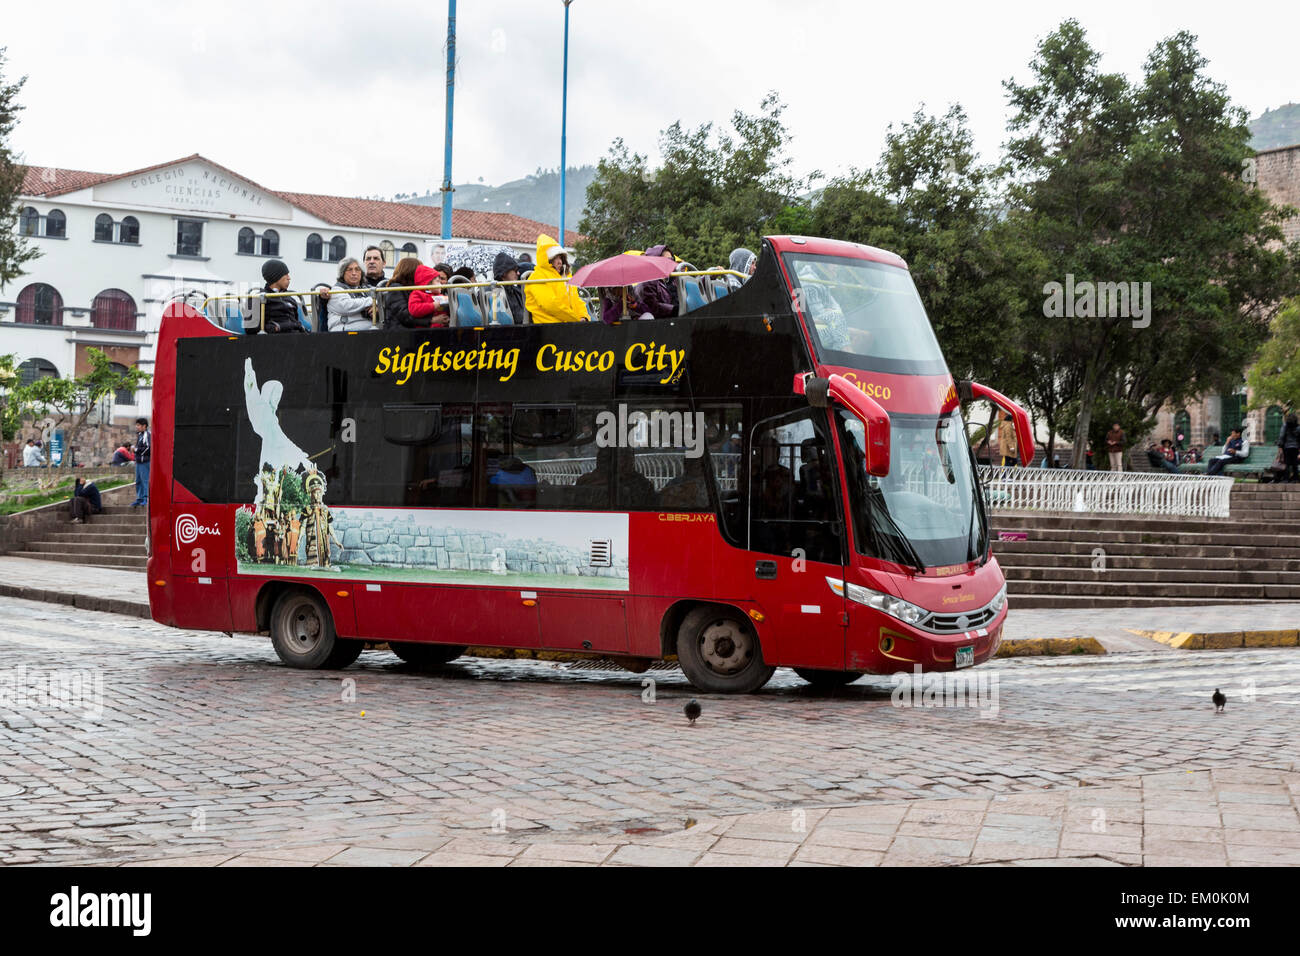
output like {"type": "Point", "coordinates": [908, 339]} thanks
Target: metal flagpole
{"type": "Point", "coordinates": [564, 117]}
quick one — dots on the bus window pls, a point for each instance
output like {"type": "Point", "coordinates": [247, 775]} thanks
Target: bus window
{"type": "Point", "coordinates": [412, 455]}
{"type": "Point", "coordinates": [534, 456]}
{"type": "Point", "coordinates": [792, 490]}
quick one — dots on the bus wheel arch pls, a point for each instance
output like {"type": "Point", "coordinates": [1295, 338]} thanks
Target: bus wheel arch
{"type": "Point", "coordinates": [719, 650]}
{"type": "Point", "coordinates": [302, 629]}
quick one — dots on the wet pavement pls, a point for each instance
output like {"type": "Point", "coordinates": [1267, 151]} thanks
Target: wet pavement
{"type": "Point", "coordinates": [191, 747]}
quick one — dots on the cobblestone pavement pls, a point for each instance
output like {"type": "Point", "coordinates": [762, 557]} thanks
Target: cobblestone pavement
{"type": "Point", "coordinates": [208, 751]}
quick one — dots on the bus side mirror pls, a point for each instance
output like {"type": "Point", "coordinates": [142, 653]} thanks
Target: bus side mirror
{"type": "Point", "coordinates": [820, 392]}
{"type": "Point", "coordinates": [1024, 430]}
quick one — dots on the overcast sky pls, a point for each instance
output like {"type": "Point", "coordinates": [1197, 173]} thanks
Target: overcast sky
{"type": "Point", "coordinates": [348, 98]}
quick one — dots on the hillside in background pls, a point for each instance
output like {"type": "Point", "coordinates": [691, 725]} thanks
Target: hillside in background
{"type": "Point", "coordinates": [533, 197]}
{"type": "Point", "coordinates": [1279, 127]}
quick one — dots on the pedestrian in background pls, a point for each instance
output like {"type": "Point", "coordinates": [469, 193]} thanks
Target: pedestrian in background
{"type": "Point", "coordinates": [1115, 442]}
{"type": "Point", "coordinates": [85, 501]}
{"type": "Point", "coordinates": [1007, 440]}
{"type": "Point", "coordinates": [143, 444]}
{"type": "Point", "coordinates": [1289, 442]}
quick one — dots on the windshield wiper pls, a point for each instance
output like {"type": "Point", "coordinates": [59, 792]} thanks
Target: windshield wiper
{"type": "Point", "coordinates": [904, 549]}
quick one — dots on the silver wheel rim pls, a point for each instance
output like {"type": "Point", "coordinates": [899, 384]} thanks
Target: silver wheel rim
{"type": "Point", "coordinates": [302, 627]}
{"type": "Point", "coordinates": [726, 648]}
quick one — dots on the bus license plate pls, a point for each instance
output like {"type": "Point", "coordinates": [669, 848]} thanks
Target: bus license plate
{"type": "Point", "coordinates": [966, 656]}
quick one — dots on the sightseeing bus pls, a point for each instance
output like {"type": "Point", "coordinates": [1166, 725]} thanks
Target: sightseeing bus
{"type": "Point", "coordinates": [779, 477]}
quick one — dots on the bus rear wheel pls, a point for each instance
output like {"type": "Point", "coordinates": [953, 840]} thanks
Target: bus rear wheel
{"type": "Point", "coordinates": [426, 655]}
{"type": "Point", "coordinates": [719, 652]}
{"type": "Point", "coordinates": [826, 680]}
{"type": "Point", "coordinates": [302, 633]}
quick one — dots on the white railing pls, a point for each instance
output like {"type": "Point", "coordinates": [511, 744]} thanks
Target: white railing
{"type": "Point", "coordinates": [1105, 492]}
{"type": "Point", "coordinates": [660, 467]}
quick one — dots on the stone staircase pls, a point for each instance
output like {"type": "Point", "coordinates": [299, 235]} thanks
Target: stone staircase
{"type": "Point", "coordinates": [1252, 556]}
{"type": "Point", "coordinates": [114, 539]}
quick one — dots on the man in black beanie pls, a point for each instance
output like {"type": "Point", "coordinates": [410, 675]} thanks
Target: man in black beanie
{"type": "Point", "coordinates": [282, 312]}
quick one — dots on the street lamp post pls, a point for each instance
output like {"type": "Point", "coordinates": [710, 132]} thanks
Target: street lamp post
{"type": "Point", "coordinates": [451, 95]}
{"type": "Point", "coordinates": [564, 117]}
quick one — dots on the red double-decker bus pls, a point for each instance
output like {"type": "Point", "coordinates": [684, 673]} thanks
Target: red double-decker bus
{"type": "Point", "coordinates": [779, 477]}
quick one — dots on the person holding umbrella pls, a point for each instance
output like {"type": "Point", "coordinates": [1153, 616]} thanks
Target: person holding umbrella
{"type": "Point", "coordinates": [617, 275]}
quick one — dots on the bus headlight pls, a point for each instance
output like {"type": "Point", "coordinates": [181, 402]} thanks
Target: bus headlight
{"type": "Point", "coordinates": [894, 607]}
{"type": "Point", "coordinates": [999, 599]}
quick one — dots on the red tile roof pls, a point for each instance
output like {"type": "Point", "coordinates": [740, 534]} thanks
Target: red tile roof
{"type": "Point", "coordinates": [336, 210]}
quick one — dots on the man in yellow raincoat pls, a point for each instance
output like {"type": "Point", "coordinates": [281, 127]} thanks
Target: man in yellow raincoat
{"type": "Point", "coordinates": [553, 301]}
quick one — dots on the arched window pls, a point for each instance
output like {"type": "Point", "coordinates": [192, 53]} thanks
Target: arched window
{"type": "Point", "coordinates": [246, 242]}
{"type": "Point", "coordinates": [29, 223]}
{"type": "Point", "coordinates": [113, 309]}
{"type": "Point", "coordinates": [56, 224]}
{"type": "Point", "coordinates": [270, 243]}
{"type": "Point", "coordinates": [1273, 419]}
{"type": "Point", "coordinates": [129, 230]}
{"type": "Point", "coordinates": [338, 249]}
{"type": "Point", "coordinates": [122, 396]}
{"type": "Point", "coordinates": [389, 251]}
{"type": "Point", "coordinates": [40, 304]}
{"type": "Point", "coordinates": [36, 368]}
{"type": "Point", "coordinates": [103, 227]}
{"type": "Point", "coordinates": [408, 250]}
{"type": "Point", "coordinates": [315, 246]}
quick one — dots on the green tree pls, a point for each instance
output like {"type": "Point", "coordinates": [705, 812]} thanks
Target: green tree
{"type": "Point", "coordinates": [929, 200]}
{"type": "Point", "coordinates": [1142, 184]}
{"type": "Point", "coordinates": [711, 193]}
{"type": "Point", "coordinates": [1275, 377]}
{"type": "Point", "coordinates": [69, 402]}
{"type": "Point", "coordinates": [14, 248]}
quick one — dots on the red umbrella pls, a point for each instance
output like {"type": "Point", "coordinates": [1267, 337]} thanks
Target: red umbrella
{"type": "Point", "coordinates": [622, 270]}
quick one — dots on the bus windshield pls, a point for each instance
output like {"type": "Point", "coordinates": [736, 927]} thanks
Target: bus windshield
{"type": "Point", "coordinates": [864, 314]}
{"type": "Point", "coordinates": [924, 512]}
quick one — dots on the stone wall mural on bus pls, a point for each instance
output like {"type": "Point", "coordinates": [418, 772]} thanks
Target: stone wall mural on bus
{"type": "Point", "coordinates": [493, 548]}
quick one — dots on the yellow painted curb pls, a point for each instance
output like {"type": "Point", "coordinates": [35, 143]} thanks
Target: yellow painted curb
{"type": "Point", "coordinates": [1221, 640]}
{"type": "Point", "coordinates": [1050, 647]}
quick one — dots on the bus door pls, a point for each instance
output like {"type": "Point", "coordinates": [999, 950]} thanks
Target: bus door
{"type": "Point", "coordinates": [796, 532]}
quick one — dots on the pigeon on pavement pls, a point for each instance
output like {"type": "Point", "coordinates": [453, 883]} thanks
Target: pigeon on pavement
{"type": "Point", "coordinates": [1219, 701]}
{"type": "Point", "coordinates": [692, 710]}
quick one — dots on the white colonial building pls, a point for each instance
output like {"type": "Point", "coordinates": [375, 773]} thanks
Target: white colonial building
{"type": "Point", "coordinates": [115, 247]}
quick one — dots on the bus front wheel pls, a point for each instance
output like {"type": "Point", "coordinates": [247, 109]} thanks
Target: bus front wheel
{"type": "Point", "coordinates": [719, 652]}
{"type": "Point", "coordinates": [302, 633]}
{"type": "Point", "coordinates": [826, 680]}
{"type": "Point", "coordinates": [426, 655]}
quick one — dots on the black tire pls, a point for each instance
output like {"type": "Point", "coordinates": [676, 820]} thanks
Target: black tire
{"type": "Point", "coordinates": [426, 655]}
{"type": "Point", "coordinates": [826, 680]}
{"type": "Point", "coordinates": [720, 653]}
{"type": "Point", "coordinates": [302, 633]}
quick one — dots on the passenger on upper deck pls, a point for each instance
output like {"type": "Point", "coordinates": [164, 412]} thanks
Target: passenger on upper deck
{"type": "Point", "coordinates": [373, 260]}
{"type": "Point", "coordinates": [350, 310]}
{"type": "Point", "coordinates": [619, 303]}
{"type": "Point", "coordinates": [506, 269]}
{"type": "Point", "coordinates": [282, 313]}
{"type": "Point", "coordinates": [553, 301]}
{"type": "Point", "coordinates": [430, 305]}
{"type": "Point", "coordinates": [743, 261]}
{"type": "Point", "coordinates": [397, 314]}
{"type": "Point", "coordinates": [660, 296]}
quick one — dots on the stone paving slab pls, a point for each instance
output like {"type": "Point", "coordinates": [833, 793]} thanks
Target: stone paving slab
{"type": "Point", "coordinates": [1083, 826]}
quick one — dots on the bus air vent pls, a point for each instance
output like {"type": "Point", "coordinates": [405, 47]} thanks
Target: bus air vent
{"type": "Point", "coordinates": [602, 553]}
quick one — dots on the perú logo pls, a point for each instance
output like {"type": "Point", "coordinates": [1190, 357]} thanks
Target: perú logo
{"type": "Point", "coordinates": [188, 529]}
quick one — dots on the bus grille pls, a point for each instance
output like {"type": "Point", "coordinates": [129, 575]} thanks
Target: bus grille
{"type": "Point", "coordinates": [952, 623]}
